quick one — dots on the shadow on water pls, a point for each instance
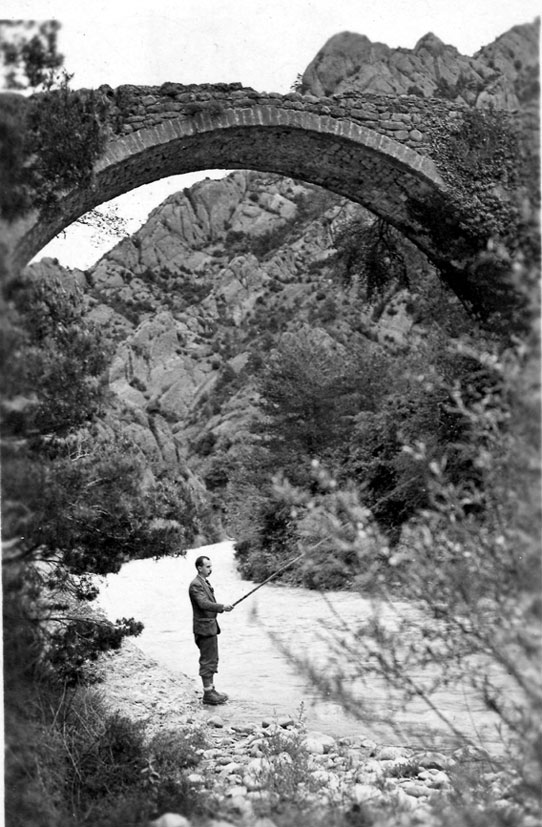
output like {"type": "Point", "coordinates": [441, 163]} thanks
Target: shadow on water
{"type": "Point", "coordinates": [259, 678]}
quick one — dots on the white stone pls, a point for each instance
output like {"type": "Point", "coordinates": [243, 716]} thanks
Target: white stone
{"type": "Point", "coordinates": [372, 767]}
{"type": "Point", "coordinates": [438, 779]}
{"type": "Point", "coordinates": [363, 793]}
{"type": "Point", "coordinates": [318, 743]}
{"type": "Point", "coordinates": [392, 753]}
{"type": "Point", "coordinates": [415, 790]}
{"type": "Point", "coordinates": [264, 822]}
{"type": "Point", "coordinates": [170, 820]}
{"type": "Point", "coordinates": [196, 778]}
{"type": "Point", "coordinates": [231, 767]}
{"type": "Point", "coordinates": [219, 823]}
{"type": "Point", "coordinates": [405, 802]}
{"type": "Point", "coordinates": [237, 791]}
{"type": "Point", "coordinates": [434, 760]}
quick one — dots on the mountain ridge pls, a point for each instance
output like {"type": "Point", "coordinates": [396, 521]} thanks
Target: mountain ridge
{"type": "Point", "coordinates": [221, 271]}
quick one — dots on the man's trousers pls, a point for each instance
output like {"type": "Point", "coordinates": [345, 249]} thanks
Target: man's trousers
{"type": "Point", "coordinates": [208, 655]}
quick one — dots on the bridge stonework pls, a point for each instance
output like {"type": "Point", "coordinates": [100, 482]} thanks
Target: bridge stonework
{"type": "Point", "coordinates": [374, 149]}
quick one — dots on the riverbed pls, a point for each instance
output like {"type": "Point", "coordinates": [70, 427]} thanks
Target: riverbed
{"type": "Point", "coordinates": [254, 670]}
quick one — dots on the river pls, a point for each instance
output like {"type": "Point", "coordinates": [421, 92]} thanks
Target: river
{"type": "Point", "coordinates": [259, 678]}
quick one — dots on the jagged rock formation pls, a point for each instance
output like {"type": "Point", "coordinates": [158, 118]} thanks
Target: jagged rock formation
{"type": "Point", "coordinates": [221, 271]}
{"type": "Point", "coordinates": [503, 74]}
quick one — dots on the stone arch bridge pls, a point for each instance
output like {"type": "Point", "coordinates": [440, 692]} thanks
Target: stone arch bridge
{"type": "Point", "coordinates": [376, 150]}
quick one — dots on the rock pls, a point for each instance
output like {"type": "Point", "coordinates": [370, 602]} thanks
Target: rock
{"type": "Point", "coordinates": [196, 778]}
{"type": "Point", "coordinates": [404, 801]}
{"type": "Point", "coordinates": [231, 767]}
{"type": "Point", "coordinates": [392, 753]}
{"type": "Point", "coordinates": [434, 760]}
{"type": "Point", "coordinates": [317, 743]}
{"type": "Point", "coordinates": [439, 779]}
{"type": "Point", "coordinates": [237, 791]}
{"type": "Point", "coordinates": [498, 74]}
{"type": "Point", "coordinates": [244, 728]}
{"type": "Point", "coordinates": [170, 820]}
{"type": "Point", "coordinates": [363, 793]}
{"type": "Point", "coordinates": [413, 789]}
{"type": "Point", "coordinates": [326, 779]}
{"type": "Point", "coordinates": [215, 721]}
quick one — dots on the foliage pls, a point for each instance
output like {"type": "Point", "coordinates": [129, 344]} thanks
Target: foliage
{"type": "Point", "coordinates": [49, 141]}
{"type": "Point", "coordinates": [371, 255]}
{"type": "Point", "coordinates": [482, 144]}
{"type": "Point", "coordinates": [28, 50]}
{"type": "Point", "coordinates": [56, 352]}
{"type": "Point", "coordinates": [488, 225]}
{"type": "Point", "coordinates": [87, 766]}
{"type": "Point", "coordinates": [77, 498]}
{"type": "Point", "coordinates": [468, 566]}
{"type": "Point", "coordinates": [352, 411]}
{"type": "Point", "coordinates": [285, 765]}
{"type": "Point", "coordinates": [62, 134]}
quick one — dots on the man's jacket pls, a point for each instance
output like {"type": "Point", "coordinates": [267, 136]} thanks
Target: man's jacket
{"type": "Point", "coordinates": [205, 607]}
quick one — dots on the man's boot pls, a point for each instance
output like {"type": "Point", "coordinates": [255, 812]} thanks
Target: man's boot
{"type": "Point", "coordinates": [211, 696]}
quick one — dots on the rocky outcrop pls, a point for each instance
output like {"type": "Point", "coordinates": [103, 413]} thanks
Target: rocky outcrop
{"type": "Point", "coordinates": [503, 74]}
{"type": "Point", "coordinates": [221, 271]}
{"type": "Point", "coordinates": [214, 272]}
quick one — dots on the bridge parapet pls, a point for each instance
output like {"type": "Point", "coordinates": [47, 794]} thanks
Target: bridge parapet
{"type": "Point", "coordinates": [383, 152]}
{"type": "Point", "coordinates": [409, 119]}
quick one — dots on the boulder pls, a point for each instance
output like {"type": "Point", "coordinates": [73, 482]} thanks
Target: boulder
{"type": "Point", "coordinates": [171, 820]}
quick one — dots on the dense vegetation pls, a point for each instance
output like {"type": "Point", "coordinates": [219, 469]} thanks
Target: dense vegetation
{"type": "Point", "coordinates": [78, 498]}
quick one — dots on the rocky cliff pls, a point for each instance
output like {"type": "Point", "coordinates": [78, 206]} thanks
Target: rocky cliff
{"type": "Point", "coordinates": [503, 74]}
{"type": "Point", "coordinates": [220, 272]}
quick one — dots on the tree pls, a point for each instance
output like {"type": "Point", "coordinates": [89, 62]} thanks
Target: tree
{"type": "Point", "coordinates": [76, 493]}
{"type": "Point", "coordinates": [29, 52]}
{"type": "Point", "coordinates": [467, 565]}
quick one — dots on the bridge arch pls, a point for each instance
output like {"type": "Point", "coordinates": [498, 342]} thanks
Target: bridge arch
{"type": "Point", "coordinates": [334, 151]}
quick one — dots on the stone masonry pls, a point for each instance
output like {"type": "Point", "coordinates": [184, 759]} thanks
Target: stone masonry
{"type": "Point", "coordinates": [373, 149]}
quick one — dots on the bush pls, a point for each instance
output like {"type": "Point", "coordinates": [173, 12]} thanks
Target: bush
{"type": "Point", "coordinates": [69, 761]}
{"type": "Point", "coordinates": [285, 765]}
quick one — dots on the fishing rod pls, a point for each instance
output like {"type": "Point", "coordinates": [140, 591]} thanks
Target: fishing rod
{"type": "Point", "coordinates": [255, 589]}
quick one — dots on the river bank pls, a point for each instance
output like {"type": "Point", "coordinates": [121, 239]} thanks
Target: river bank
{"type": "Point", "coordinates": [260, 636]}
{"type": "Point", "coordinates": [253, 772]}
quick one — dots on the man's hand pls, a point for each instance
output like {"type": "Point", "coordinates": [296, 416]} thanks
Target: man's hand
{"type": "Point", "coordinates": [228, 608]}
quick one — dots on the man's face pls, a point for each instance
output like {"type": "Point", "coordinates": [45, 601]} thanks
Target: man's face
{"type": "Point", "coordinates": [206, 568]}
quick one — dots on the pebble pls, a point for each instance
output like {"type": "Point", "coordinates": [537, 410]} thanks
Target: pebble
{"type": "Point", "coordinates": [362, 793]}
{"type": "Point", "coordinates": [196, 778]}
{"type": "Point", "coordinates": [170, 820]}
{"type": "Point", "coordinates": [434, 760]}
{"type": "Point", "coordinates": [392, 753]}
{"type": "Point", "coordinates": [416, 790]}
{"type": "Point", "coordinates": [239, 757]}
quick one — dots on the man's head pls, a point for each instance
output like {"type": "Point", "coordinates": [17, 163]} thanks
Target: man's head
{"type": "Point", "coordinates": [203, 565]}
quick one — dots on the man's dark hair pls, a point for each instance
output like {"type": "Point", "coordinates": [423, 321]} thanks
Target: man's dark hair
{"type": "Point", "coordinates": [200, 559]}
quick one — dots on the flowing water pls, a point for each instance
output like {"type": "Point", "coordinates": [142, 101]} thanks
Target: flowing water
{"type": "Point", "coordinates": [259, 678]}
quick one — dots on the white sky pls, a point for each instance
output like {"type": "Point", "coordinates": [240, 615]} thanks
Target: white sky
{"type": "Point", "coordinates": [261, 43]}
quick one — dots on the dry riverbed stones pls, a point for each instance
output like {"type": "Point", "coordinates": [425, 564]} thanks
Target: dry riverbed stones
{"type": "Point", "coordinates": [246, 768]}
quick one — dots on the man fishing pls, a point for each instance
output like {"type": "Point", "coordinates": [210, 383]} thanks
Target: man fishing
{"type": "Point", "coordinates": [205, 626]}
{"type": "Point", "coordinates": [206, 629]}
